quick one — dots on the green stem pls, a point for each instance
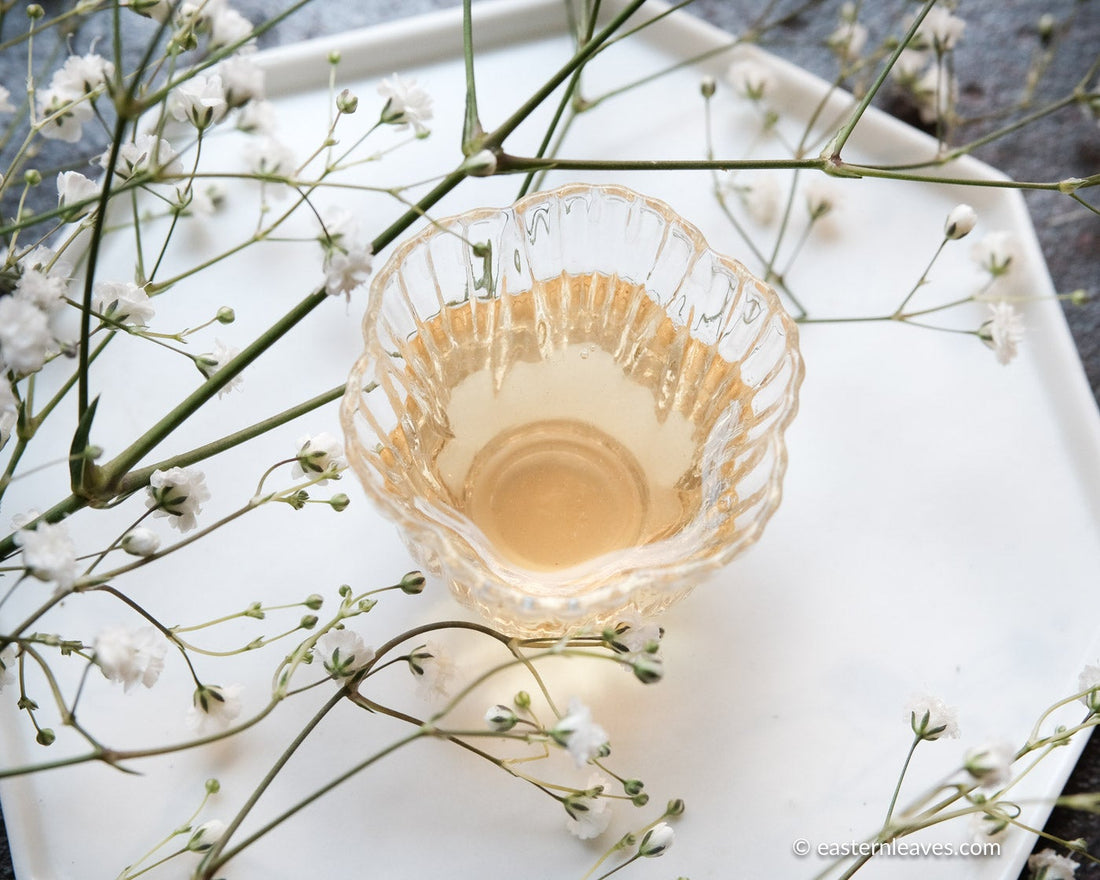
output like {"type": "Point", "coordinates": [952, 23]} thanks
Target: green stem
{"type": "Point", "coordinates": [901, 778]}
{"type": "Point", "coordinates": [472, 132]}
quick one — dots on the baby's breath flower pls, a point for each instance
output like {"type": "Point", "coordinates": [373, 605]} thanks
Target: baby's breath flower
{"type": "Point", "coordinates": [433, 669]}
{"type": "Point", "coordinates": [200, 100]}
{"type": "Point", "coordinates": [158, 10]}
{"type": "Point", "coordinates": [49, 553]}
{"type": "Point", "coordinates": [936, 93]}
{"type": "Point", "coordinates": [62, 115]}
{"type": "Point", "coordinates": [931, 718]}
{"type": "Point", "coordinates": [986, 827]}
{"type": "Point", "coordinates": [25, 337]}
{"type": "Point", "coordinates": [319, 454]}
{"type": "Point", "coordinates": [257, 117]}
{"type": "Point", "coordinates": [760, 196]}
{"type": "Point", "coordinates": [847, 41]}
{"type": "Point", "coordinates": [406, 104]}
{"type": "Point", "coordinates": [271, 158]}
{"type": "Point", "coordinates": [211, 362]}
{"type": "Point", "coordinates": [940, 29]}
{"type": "Point", "coordinates": [228, 26]}
{"type": "Point", "coordinates": [82, 74]}
{"type": "Point", "coordinates": [130, 656]}
{"type": "Point", "coordinates": [990, 765]}
{"type": "Point", "coordinates": [347, 261]}
{"type": "Point", "coordinates": [749, 79]}
{"type": "Point", "coordinates": [146, 154]}
{"type": "Point", "coordinates": [656, 841]}
{"type": "Point", "coordinates": [242, 80]}
{"type": "Point", "coordinates": [1089, 680]}
{"type": "Point", "coordinates": [206, 835]}
{"type": "Point", "coordinates": [1003, 331]}
{"type": "Point", "coordinates": [140, 541]}
{"type": "Point", "coordinates": [909, 65]}
{"type": "Point", "coordinates": [6, 106]}
{"type": "Point", "coordinates": [1048, 865]}
{"type": "Point", "coordinates": [343, 652]}
{"type": "Point", "coordinates": [579, 734]}
{"type": "Point", "coordinates": [122, 301]}
{"type": "Point", "coordinates": [995, 252]}
{"type": "Point", "coordinates": [959, 222]}
{"type": "Point", "coordinates": [43, 290]}
{"type": "Point", "coordinates": [820, 196]}
{"type": "Point", "coordinates": [177, 493]}
{"type": "Point", "coordinates": [73, 188]}
{"type": "Point", "coordinates": [7, 666]}
{"type": "Point", "coordinates": [214, 706]}
{"type": "Point", "coordinates": [589, 814]}
{"type": "Point", "coordinates": [500, 718]}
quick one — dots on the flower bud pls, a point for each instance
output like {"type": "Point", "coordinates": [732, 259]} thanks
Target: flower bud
{"type": "Point", "coordinates": [648, 668]}
{"type": "Point", "coordinates": [213, 786]}
{"type": "Point", "coordinates": [334, 56]}
{"type": "Point", "coordinates": [959, 222]}
{"type": "Point", "coordinates": [675, 807]}
{"type": "Point", "coordinates": [656, 841]}
{"type": "Point", "coordinates": [140, 542]}
{"type": "Point", "coordinates": [346, 102]}
{"type": "Point", "coordinates": [45, 737]}
{"type": "Point", "coordinates": [707, 86]}
{"type": "Point", "coordinates": [32, 177]}
{"type": "Point", "coordinates": [1046, 28]}
{"type": "Point", "coordinates": [500, 718]}
{"type": "Point", "coordinates": [522, 700]}
{"type": "Point", "coordinates": [226, 315]}
{"type": "Point", "coordinates": [1079, 297]}
{"type": "Point", "coordinates": [308, 621]}
{"type": "Point", "coordinates": [206, 835]}
{"type": "Point", "coordinates": [633, 786]}
{"type": "Point", "coordinates": [314, 601]}
{"type": "Point", "coordinates": [339, 502]}
{"type": "Point", "coordinates": [481, 164]}
{"type": "Point", "coordinates": [412, 583]}
{"type": "Point", "coordinates": [34, 11]}
{"type": "Point", "coordinates": [640, 800]}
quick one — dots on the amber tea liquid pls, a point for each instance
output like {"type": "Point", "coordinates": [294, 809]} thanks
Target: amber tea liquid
{"type": "Point", "coordinates": [575, 418]}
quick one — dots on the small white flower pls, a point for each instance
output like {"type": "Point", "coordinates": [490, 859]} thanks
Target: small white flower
{"type": "Point", "coordinates": [406, 104]}
{"type": "Point", "coordinates": [49, 553]}
{"type": "Point", "coordinates": [200, 101]}
{"type": "Point", "coordinates": [821, 197]}
{"type": "Point", "coordinates": [343, 652]}
{"type": "Point", "coordinates": [257, 117]}
{"type": "Point", "coordinates": [140, 541]}
{"type": "Point", "coordinates": [1003, 331]}
{"type": "Point", "coordinates": [270, 157]}
{"type": "Point", "coordinates": [1089, 680]}
{"type": "Point", "coordinates": [44, 291]}
{"type": "Point", "coordinates": [656, 841]}
{"type": "Point", "coordinates": [7, 666]}
{"type": "Point", "coordinates": [62, 115]}
{"type": "Point", "coordinates": [129, 656]}
{"type": "Point", "coordinates": [158, 10]}
{"type": "Point", "coordinates": [25, 337]}
{"type": "Point", "coordinates": [589, 813]}
{"type": "Point", "coordinates": [214, 707]}
{"type": "Point", "coordinates": [146, 154]}
{"type": "Point", "coordinates": [500, 718]}
{"type": "Point", "coordinates": [6, 106]}
{"type": "Point", "coordinates": [909, 65]}
{"type": "Point", "coordinates": [206, 835]}
{"type": "Point", "coordinates": [433, 669]}
{"type": "Point", "coordinates": [759, 193]}
{"type": "Point", "coordinates": [82, 74]}
{"type": "Point", "coordinates": [74, 188]}
{"type": "Point", "coordinates": [940, 29]}
{"type": "Point", "coordinates": [579, 734]}
{"type": "Point", "coordinates": [319, 454]}
{"type": "Point", "coordinates": [179, 494]}
{"type": "Point", "coordinates": [931, 718]}
{"type": "Point", "coordinates": [936, 93]}
{"type": "Point", "coordinates": [848, 40]}
{"type": "Point", "coordinates": [346, 271]}
{"type": "Point", "coordinates": [211, 362]}
{"type": "Point", "coordinates": [990, 765]}
{"type": "Point", "coordinates": [1048, 865]}
{"type": "Point", "coordinates": [227, 26]}
{"type": "Point", "coordinates": [995, 252]}
{"type": "Point", "coordinates": [122, 301]}
{"type": "Point", "coordinates": [960, 222]}
{"type": "Point", "coordinates": [750, 79]}
{"type": "Point", "coordinates": [986, 827]}
{"type": "Point", "coordinates": [242, 80]}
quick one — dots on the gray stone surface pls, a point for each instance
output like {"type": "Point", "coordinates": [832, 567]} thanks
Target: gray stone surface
{"type": "Point", "coordinates": [991, 64]}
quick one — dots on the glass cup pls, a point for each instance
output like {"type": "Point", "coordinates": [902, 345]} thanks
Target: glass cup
{"type": "Point", "coordinates": [572, 407]}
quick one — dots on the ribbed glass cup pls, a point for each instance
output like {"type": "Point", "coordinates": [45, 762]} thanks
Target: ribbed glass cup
{"type": "Point", "coordinates": [495, 292]}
